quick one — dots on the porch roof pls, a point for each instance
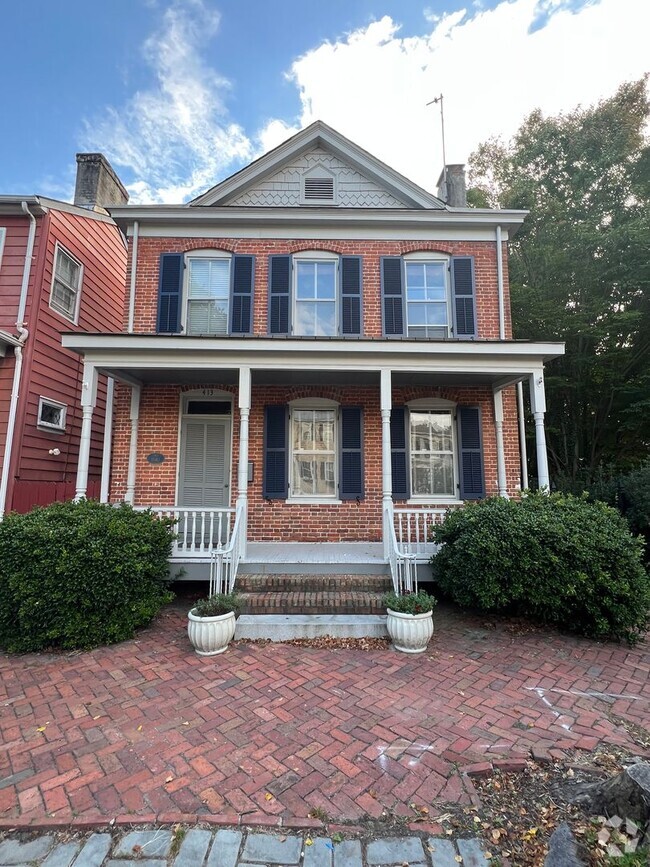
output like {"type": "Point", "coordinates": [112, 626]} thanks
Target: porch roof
{"type": "Point", "coordinates": [179, 359]}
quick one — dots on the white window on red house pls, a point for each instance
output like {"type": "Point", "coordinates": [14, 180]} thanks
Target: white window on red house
{"type": "Point", "coordinates": [432, 454]}
{"type": "Point", "coordinates": [313, 453]}
{"type": "Point", "coordinates": [208, 295]}
{"type": "Point", "coordinates": [427, 298]}
{"type": "Point", "coordinates": [51, 414]}
{"type": "Point", "coordinates": [315, 297]}
{"type": "Point", "coordinates": [66, 284]}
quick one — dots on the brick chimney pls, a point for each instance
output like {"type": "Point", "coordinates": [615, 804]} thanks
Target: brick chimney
{"type": "Point", "coordinates": [453, 188]}
{"type": "Point", "coordinates": [97, 184]}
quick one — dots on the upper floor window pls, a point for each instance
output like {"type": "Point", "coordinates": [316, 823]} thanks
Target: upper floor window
{"type": "Point", "coordinates": [427, 298]}
{"type": "Point", "coordinates": [315, 297]}
{"type": "Point", "coordinates": [315, 294]}
{"type": "Point", "coordinates": [428, 295]}
{"type": "Point", "coordinates": [205, 292]}
{"type": "Point", "coordinates": [66, 284]}
{"type": "Point", "coordinates": [208, 294]}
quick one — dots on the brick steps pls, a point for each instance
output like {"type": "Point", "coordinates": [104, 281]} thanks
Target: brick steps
{"type": "Point", "coordinates": [318, 602]}
{"type": "Point", "coordinates": [312, 583]}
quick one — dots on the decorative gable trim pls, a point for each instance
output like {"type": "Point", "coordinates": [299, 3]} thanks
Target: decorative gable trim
{"type": "Point", "coordinates": [319, 134]}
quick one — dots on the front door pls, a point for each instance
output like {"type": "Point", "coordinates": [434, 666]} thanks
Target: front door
{"type": "Point", "coordinates": [205, 463]}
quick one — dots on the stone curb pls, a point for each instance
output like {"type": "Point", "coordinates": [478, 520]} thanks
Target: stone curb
{"type": "Point", "coordinates": [218, 819]}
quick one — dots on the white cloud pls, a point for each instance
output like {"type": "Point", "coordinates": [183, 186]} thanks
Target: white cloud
{"type": "Point", "coordinates": [493, 67]}
{"type": "Point", "coordinates": [176, 138]}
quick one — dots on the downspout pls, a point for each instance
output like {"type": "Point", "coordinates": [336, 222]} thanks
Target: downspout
{"type": "Point", "coordinates": [502, 314]}
{"type": "Point", "coordinates": [134, 268]}
{"type": "Point", "coordinates": [23, 334]}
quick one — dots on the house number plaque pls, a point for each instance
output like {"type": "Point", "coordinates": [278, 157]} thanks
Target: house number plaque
{"type": "Point", "coordinates": [155, 458]}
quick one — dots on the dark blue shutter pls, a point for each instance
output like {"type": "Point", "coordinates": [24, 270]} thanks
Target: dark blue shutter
{"type": "Point", "coordinates": [243, 269]}
{"type": "Point", "coordinates": [351, 472]}
{"type": "Point", "coordinates": [463, 296]}
{"type": "Point", "coordinates": [276, 473]}
{"type": "Point", "coordinates": [351, 295]}
{"type": "Point", "coordinates": [279, 294]}
{"type": "Point", "coordinates": [392, 294]}
{"type": "Point", "coordinates": [470, 446]}
{"type": "Point", "coordinates": [399, 453]}
{"type": "Point", "coordinates": [170, 292]}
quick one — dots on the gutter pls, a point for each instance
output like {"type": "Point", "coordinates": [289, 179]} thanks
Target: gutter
{"type": "Point", "coordinates": [23, 334]}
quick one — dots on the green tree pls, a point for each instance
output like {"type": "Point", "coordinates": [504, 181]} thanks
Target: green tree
{"type": "Point", "coordinates": [580, 271]}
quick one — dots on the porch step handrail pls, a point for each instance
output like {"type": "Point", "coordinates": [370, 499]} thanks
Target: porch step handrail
{"type": "Point", "coordinates": [403, 567]}
{"type": "Point", "coordinates": [224, 560]}
{"type": "Point", "coordinates": [414, 529]}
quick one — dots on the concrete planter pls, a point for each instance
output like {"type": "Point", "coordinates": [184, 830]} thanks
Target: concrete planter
{"type": "Point", "coordinates": [409, 633]}
{"type": "Point", "coordinates": [211, 635]}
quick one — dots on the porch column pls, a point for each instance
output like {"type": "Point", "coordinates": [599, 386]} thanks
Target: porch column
{"type": "Point", "coordinates": [242, 474]}
{"type": "Point", "coordinates": [88, 401]}
{"type": "Point", "coordinates": [538, 405]}
{"type": "Point", "coordinates": [502, 483]}
{"type": "Point", "coordinates": [108, 441]}
{"type": "Point", "coordinates": [523, 451]}
{"type": "Point", "coordinates": [385, 404]}
{"type": "Point", "coordinates": [129, 496]}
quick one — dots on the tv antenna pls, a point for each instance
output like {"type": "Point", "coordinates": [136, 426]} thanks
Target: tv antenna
{"type": "Point", "coordinates": [439, 99]}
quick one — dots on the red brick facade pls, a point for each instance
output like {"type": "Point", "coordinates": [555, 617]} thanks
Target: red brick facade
{"type": "Point", "coordinates": [276, 520]}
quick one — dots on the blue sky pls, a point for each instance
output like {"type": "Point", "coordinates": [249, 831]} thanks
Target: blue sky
{"type": "Point", "coordinates": [180, 93]}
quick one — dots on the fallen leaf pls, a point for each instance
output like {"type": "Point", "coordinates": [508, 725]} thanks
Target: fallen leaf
{"type": "Point", "coordinates": [40, 729]}
{"type": "Point", "coordinates": [139, 728]}
{"type": "Point", "coordinates": [169, 779]}
{"type": "Point", "coordinates": [309, 842]}
{"type": "Point", "coordinates": [185, 723]}
{"type": "Point", "coordinates": [97, 717]}
{"type": "Point", "coordinates": [459, 859]}
{"type": "Point", "coordinates": [268, 796]}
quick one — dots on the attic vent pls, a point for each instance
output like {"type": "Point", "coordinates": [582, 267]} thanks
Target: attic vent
{"type": "Point", "coordinates": [319, 189]}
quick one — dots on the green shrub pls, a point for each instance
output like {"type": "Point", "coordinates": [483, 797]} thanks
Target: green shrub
{"type": "Point", "coordinates": [217, 604]}
{"type": "Point", "coordinates": [559, 560]}
{"type": "Point", "coordinates": [409, 603]}
{"type": "Point", "coordinates": [77, 575]}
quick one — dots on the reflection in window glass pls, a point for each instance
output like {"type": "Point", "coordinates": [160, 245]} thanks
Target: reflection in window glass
{"type": "Point", "coordinates": [426, 299]}
{"type": "Point", "coordinates": [313, 467]}
{"type": "Point", "coordinates": [315, 298]}
{"type": "Point", "coordinates": [432, 454]}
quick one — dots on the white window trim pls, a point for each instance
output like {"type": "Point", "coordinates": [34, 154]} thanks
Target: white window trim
{"type": "Point", "coordinates": [319, 170]}
{"type": "Point", "coordinates": [315, 256]}
{"type": "Point", "coordinates": [3, 235]}
{"type": "Point", "coordinates": [204, 254]}
{"type": "Point", "coordinates": [75, 317]}
{"type": "Point", "coordinates": [424, 256]}
{"type": "Point", "coordinates": [46, 426]}
{"type": "Point", "coordinates": [437, 404]}
{"type": "Point", "coordinates": [314, 403]}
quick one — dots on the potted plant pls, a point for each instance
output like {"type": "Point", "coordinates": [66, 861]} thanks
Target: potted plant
{"type": "Point", "coordinates": [211, 623]}
{"type": "Point", "coordinates": [410, 620]}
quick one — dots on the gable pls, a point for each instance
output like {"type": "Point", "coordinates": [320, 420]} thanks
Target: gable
{"type": "Point", "coordinates": [284, 187]}
{"type": "Point", "coordinates": [366, 182]}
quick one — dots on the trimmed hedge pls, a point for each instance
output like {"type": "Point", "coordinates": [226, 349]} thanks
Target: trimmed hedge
{"type": "Point", "coordinates": [559, 560]}
{"type": "Point", "coordinates": [77, 575]}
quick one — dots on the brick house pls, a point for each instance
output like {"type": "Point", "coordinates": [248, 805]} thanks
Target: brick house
{"type": "Point", "coordinates": [316, 363]}
{"type": "Point", "coordinates": [62, 268]}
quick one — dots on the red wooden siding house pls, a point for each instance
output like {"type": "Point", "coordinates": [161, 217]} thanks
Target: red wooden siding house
{"type": "Point", "coordinates": [317, 364]}
{"type": "Point", "coordinates": [62, 268]}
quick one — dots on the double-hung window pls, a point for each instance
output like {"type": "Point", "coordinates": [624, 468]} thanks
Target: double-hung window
{"type": "Point", "coordinates": [313, 453]}
{"type": "Point", "coordinates": [208, 295]}
{"type": "Point", "coordinates": [432, 453]}
{"type": "Point", "coordinates": [66, 284]}
{"type": "Point", "coordinates": [427, 298]}
{"type": "Point", "coordinates": [315, 297]}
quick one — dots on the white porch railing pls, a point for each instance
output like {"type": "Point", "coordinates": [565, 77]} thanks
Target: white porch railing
{"type": "Point", "coordinates": [414, 530]}
{"type": "Point", "coordinates": [224, 559]}
{"type": "Point", "coordinates": [198, 531]}
{"type": "Point", "coordinates": [403, 567]}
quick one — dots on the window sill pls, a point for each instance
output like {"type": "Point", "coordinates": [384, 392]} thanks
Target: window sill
{"type": "Point", "coordinates": [44, 428]}
{"type": "Point", "coordinates": [440, 501]}
{"type": "Point", "coordinates": [312, 501]}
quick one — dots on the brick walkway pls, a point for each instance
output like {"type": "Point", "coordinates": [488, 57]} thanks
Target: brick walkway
{"type": "Point", "coordinates": [269, 732]}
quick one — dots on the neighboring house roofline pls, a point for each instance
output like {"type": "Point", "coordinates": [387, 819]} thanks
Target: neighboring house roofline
{"type": "Point", "coordinates": [319, 134]}
{"type": "Point", "coordinates": [12, 205]}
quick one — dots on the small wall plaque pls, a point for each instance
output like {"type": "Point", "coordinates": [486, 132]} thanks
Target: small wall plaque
{"type": "Point", "coordinates": [156, 458]}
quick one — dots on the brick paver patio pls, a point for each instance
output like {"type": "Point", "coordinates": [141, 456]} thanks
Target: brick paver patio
{"type": "Point", "coordinates": [147, 728]}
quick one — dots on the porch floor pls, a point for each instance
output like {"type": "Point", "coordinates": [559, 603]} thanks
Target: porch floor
{"type": "Point", "coordinates": [315, 552]}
